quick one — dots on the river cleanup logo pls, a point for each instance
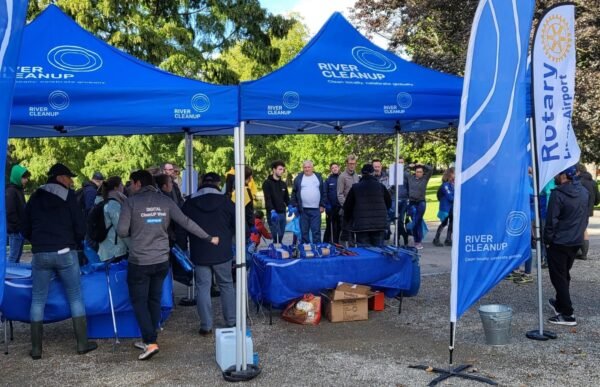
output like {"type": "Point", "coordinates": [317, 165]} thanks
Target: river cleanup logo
{"type": "Point", "coordinates": [58, 100]}
{"type": "Point", "coordinates": [200, 102]}
{"type": "Point", "coordinates": [373, 60]}
{"type": "Point", "coordinates": [74, 58]}
{"type": "Point", "coordinates": [556, 38]}
{"type": "Point", "coordinates": [291, 99]}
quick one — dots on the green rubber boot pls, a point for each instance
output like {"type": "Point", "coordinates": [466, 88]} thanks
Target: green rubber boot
{"type": "Point", "coordinates": [80, 327]}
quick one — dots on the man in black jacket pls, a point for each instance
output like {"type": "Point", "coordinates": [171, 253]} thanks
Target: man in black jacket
{"type": "Point", "coordinates": [15, 211]}
{"type": "Point", "coordinates": [215, 213]}
{"type": "Point", "coordinates": [54, 225]}
{"type": "Point", "coordinates": [594, 199]}
{"type": "Point", "coordinates": [332, 206]}
{"type": "Point", "coordinates": [366, 208]}
{"type": "Point", "coordinates": [566, 221]}
{"type": "Point", "coordinates": [277, 199]}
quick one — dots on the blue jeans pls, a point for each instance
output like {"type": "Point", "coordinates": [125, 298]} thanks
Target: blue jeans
{"type": "Point", "coordinates": [43, 267]}
{"type": "Point", "coordinates": [419, 211]}
{"type": "Point", "coordinates": [203, 300]}
{"type": "Point", "coordinates": [310, 224]}
{"type": "Point", "coordinates": [277, 228]}
{"type": "Point", "coordinates": [145, 283]}
{"type": "Point", "coordinates": [15, 244]}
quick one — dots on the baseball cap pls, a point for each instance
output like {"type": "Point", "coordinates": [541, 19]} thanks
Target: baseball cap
{"type": "Point", "coordinates": [98, 176]}
{"type": "Point", "coordinates": [59, 169]}
{"type": "Point", "coordinates": [367, 169]}
{"type": "Point", "coordinates": [570, 172]}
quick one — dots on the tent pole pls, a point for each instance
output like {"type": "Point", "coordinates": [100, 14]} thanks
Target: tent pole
{"type": "Point", "coordinates": [396, 236]}
{"type": "Point", "coordinates": [539, 334]}
{"type": "Point", "coordinates": [239, 231]}
{"type": "Point", "coordinates": [189, 162]}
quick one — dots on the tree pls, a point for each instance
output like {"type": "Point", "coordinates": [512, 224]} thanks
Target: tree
{"type": "Point", "coordinates": [435, 33]}
{"type": "Point", "coordinates": [181, 36]}
{"type": "Point", "coordinates": [289, 46]}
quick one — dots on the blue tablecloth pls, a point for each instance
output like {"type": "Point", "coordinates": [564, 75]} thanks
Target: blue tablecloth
{"type": "Point", "coordinates": [17, 300]}
{"type": "Point", "coordinates": [277, 281]}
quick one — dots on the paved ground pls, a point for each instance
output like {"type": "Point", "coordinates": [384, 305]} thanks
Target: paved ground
{"type": "Point", "coordinates": [373, 352]}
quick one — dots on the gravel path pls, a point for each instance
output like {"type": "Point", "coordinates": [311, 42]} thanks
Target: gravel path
{"type": "Point", "coordinates": [374, 352]}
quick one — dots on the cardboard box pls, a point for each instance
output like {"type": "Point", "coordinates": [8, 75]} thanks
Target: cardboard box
{"type": "Point", "coordinates": [346, 291]}
{"type": "Point", "coordinates": [347, 302]}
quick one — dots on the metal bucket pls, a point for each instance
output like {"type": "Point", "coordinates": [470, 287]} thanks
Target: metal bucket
{"type": "Point", "coordinates": [496, 321]}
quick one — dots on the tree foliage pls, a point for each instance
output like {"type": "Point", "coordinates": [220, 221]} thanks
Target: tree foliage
{"type": "Point", "coordinates": [435, 33]}
{"type": "Point", "coordinates": [181, 36]}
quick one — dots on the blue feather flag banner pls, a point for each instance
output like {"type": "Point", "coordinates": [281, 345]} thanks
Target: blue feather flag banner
{"type": "Point", "coordinates": [12, 21]}
{"type": "Point", "coordinates": [554, 91]}
{"type": "Point", "coordinates": [492, 225]}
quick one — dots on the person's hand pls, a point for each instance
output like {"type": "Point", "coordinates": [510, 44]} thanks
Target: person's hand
{"type": "Point", "coordinates": [321, 209]}
{"type": "Point", "coordinates": [274, 216]}
{"type": "Point", "coordinates": [214, 240]}
{"type": "Point", "coordinates": [292, 210]}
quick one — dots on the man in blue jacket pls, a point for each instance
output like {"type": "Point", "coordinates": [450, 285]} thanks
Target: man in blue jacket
{"type": "Point", "coordinates": [566, 220]}
{"type": "Point", "coordinates": [308, 196]}
{"type": "Point", "coordinates": [332, 206]}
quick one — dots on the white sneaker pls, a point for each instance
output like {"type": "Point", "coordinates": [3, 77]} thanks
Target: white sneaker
{"type": "Point", "coordinates": [419, 246]}
{"type": "Point", "coordinates": [140, 345]}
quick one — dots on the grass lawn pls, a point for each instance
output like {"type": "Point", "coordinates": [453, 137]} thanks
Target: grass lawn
{"type": "Point", "coordinates": [433, 204]}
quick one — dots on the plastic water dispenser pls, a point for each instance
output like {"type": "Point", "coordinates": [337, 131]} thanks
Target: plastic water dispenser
{"type": "Point", "coordinates": [225, 347]}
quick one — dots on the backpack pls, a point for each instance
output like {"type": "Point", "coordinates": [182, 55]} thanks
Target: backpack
{"type": "Point", "coordinates": [96, 229]}
{"type": "Point", "coordinates": [440, 193]}
{"type": "Point", "coordinates": [79, 196]}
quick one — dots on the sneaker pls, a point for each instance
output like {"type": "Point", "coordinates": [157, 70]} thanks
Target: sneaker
{"type": "Point", "coordinates": [140, 345]}
{"type": "Point", "coordinates": [561, 319]}
{"type": "Point", "coordinates": [523, 279]}
{"type": "Point", "coordinates": [151, 350]}
{"type": "Point", "coordinates": [552, 305]}
{"type": "Point", "coordinates": [514, 275]}
{"type": "Point", "coordinates": [419, 246]}
{"type": "Point", "coordinates": [205, 332]}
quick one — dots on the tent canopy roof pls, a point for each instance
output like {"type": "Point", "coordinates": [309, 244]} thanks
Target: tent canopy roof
{"type": "Point", "coordinates": [71, 83]}
{"type": "Point", "coordinates": [341, 82]}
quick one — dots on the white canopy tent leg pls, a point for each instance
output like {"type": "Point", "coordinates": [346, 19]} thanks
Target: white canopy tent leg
{"type": "Point", "coordinates": [396, 236]}
{"type": "Point", "coordinates": [240, 249]}
{"type": "Point", "coordinates": [189, 177]}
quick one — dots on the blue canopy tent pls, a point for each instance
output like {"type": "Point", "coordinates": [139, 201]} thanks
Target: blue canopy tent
{"type": "Point", "coordinates": [71, 83]}
{"type": "Point", "coordinates": [342, 82]}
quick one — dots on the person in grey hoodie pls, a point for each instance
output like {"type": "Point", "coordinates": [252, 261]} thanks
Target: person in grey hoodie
{"type": "Point", "coordinates": [145, 219]}
{"type": "Point", "coordinates": [417, 187]}
{"type": "Point", "coordinates": [346, 180]}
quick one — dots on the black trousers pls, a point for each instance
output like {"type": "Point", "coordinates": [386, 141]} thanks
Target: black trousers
{"type": "Point", "coordinates": [370, 238]}
{"type": "Point", "coordinates": [145, 285]}
{"type": "Point", "coordinates": [560, 262]}
{"type": "Point", "coordinates": [332, 229]}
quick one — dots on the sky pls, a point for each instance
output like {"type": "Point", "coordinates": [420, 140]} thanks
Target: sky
{"type": "Point", "coordinates": [314, 12]}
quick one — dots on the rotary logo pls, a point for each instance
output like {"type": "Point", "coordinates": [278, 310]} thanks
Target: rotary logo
{"type": "Point", "coordinates": [556, 38]}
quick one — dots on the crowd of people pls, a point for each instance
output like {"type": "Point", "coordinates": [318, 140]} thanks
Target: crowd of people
{"type": "Point", "coordinates": [144, 218]}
